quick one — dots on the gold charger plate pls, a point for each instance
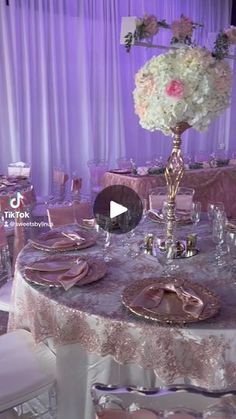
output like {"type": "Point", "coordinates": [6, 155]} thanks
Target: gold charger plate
{"type": "Point", "coordinates": [97, 270]}
{"type": "Point", "coordinates": [170, 309]}
{"type": "Point", "coordinates": [40, 243]}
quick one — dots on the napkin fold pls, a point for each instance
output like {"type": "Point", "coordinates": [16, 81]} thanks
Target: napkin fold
{"type": "Point", "coordinates": [151, 296]}
{"type": "Point", "coordinates": [77, 271]}
{"type": "Point", "coordinates": [58, 241]}
{"type": "Point", "coordinates": [67, 273]}
{"type": "Point", "coordinates": [55, 243]}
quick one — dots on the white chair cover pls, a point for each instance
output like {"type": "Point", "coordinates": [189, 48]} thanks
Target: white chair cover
{"type": "Point", "coordinates": [184, 198]}
{"type": "Point", "coordinates": [26, 369]}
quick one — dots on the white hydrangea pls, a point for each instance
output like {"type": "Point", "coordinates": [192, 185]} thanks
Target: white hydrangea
{"type": "Point", "coordinates": [186, 84]}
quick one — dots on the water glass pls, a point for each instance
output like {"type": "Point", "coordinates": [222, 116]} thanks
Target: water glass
{"type": "Point", "coordinates": [145, 209]}
{"type": "Point", "coordinates": [230, 240]}
{"type": "Point", "coordinates": [218, 237]}
{"type": "Point", "coordinates": [213, 208]}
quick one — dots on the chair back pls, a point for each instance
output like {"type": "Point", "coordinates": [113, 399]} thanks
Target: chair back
{"type": "Point", "coordinates": [124, 163]}
{"type": "Point", "coordinates": [175, 402]}
{"type": "Point", "coordinates": [60, 178]}
{"type": "Point", "coordinates": [19, 169]}
{"type": "Point", "coordinates": [63, 215]}
{"type": "Point", "coordinates": [184, 198]}
{"type": "Point", "coordinates": [97, 170]}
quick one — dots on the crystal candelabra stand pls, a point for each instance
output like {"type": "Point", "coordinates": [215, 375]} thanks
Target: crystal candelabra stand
{"type": "Point", "coordinates": [173, 175]}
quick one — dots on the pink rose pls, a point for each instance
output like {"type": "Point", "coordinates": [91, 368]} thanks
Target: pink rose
{"type": "Point", "coordinates": [182, 28]}
{"type": "Point", "coordinates": [175, 88]}
{"type": "Point", "coordinates": [150, 25]}
{"type": "Point", "coordinates": [231, 33]}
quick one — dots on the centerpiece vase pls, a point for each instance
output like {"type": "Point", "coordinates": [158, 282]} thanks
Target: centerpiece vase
{"type": "Point", "coordinates": [173, 175]}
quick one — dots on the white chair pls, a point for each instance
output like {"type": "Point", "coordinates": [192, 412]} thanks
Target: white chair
{"type": "Point", "coordinates": [177, 401]}
{"type": "Point", "coordinates": [71, 214]}
{"type": "Point", "coordinates": [184, 198]}
{"type": "Point", "coordinates": [5, 297]}
{"type": "Point", "coordinates": [97, 170]}
{"type": "Point", "coordinates": [27, 370]}
{"type": "Point", "coordinates": [5, 272]}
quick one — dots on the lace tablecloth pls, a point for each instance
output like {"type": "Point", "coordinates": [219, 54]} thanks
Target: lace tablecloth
{"type": "Point", "coordinates": [211, 185]}
{"type": "Point", "coordinates": [94, 316]}
{"type": "Point", "coordinates": [7, 192]}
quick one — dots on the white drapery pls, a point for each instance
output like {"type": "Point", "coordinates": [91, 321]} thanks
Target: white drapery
{"type": "Point", "coordinates": [66, 83]}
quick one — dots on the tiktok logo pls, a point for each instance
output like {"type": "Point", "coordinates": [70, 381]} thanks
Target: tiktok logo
{"type": "Point", "coordinates": [15, 202]}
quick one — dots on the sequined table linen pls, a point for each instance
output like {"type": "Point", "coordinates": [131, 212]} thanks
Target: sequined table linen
{"type": "Point", "coordinates": [94, 316]}
{"type": "Point", "coordinates": [217, 185]}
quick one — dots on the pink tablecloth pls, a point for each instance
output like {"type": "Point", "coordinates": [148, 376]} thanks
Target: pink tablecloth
{"type": "Point", "coordinates": [211, 185]}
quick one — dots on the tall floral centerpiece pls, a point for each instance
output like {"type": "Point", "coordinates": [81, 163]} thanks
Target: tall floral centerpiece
{"type": "Point", "coordinates": [186, 87]}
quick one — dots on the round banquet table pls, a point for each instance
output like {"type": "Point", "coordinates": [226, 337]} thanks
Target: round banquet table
{"type": "Point", "coordinates": [96, 339]}
{"type": "Point", "coordinates": [9, 185]}
{"type": "Point", "coordinates": [211, 185]}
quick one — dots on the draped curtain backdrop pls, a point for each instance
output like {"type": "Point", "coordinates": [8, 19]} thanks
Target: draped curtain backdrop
{"type": "Point", "coordinates": [66, 83]}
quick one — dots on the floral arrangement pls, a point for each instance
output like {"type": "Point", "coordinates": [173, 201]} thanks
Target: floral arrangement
{"type": "Point", "coordinates": [186, 84]}
{"type": "Point", "coordinates": [182, 31]}
{"type": "Point", "coordinates": [148, 26]}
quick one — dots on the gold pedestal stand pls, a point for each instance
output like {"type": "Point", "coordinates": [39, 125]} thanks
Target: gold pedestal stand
{"type": "Point", "coordinates": [173, 175]}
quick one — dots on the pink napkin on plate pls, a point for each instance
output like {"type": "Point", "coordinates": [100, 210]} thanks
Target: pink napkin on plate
{"type": "Point", "coordinates": [67, 273]}
{"type": "Point", "coordinates": [150, 297]}
{"type": "Point", "coordinates": [77, 271]}
{"type": "Point", "coordinates": [55, 243]}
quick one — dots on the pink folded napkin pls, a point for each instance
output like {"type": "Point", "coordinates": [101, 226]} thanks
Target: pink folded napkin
{"type": "Point", "coordinates": [67, 273]}
{"type": "Point", "coordinates": [151, 296]}
{"type": "Point", "coordinates": [77, 271]}
{"type": "Point", "coordinates": [57, 242]}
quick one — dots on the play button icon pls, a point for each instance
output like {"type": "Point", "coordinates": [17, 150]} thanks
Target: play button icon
{"type": "Point", "coordinates": [118, 209]}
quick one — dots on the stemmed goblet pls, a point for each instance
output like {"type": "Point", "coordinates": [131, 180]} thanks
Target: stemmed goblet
{"type": "Point", "coordinates": [195, 213]}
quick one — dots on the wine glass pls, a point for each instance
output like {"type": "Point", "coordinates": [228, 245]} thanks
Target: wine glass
{"type": "Point", "coordinates": [164, 210]}
{"type": "Point", "coordinates": [145, 209]}
{"type": "Point", "coordinates": [195, 213]}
